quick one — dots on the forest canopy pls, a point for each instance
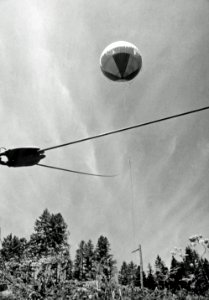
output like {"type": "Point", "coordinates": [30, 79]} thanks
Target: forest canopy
{"type": "Point", "coordinates": [42, 267]}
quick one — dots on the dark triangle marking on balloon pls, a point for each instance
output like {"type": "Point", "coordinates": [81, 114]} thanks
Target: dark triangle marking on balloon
{"type": "Point", "coordinates": [134, 64]}
{"type": "Point", "coordinates": [109, 65]}
{"type": "Point", "coordinates": [132, 75]}
{"type": "Point", "coordinates": [121, 60]}
{"type": "Point", "coordinates": [111, 76]}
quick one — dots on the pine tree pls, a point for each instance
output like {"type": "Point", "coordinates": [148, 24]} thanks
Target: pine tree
{"type": "Point", "coordinates": [78, 269]}
{"type": "Point", "coordinates": [58, 234]}
{"type": "Point", "coordinates": [69, 269]}
{"type": "Point", "coordinates": [196, 273]}
{"type": "Point", "coordinates": [84, 263]}
{"type": "Point", "coordinates": [202, 283]}
{"type": "Point", "coordinates": [128, 274]}
{"type": "Point", "coordinates": [105, 262]}
{"type": "Point", "coordinates": [13, 247]}
{"type": "Point", "coordinates": [150, 280]}
{"type": "Point", "coordinates": [50, 234]}
{"type": "Point", "coordinates": [131, 272]}
{"type": "Point", "coordinates": [137, 277]}
{"type": "Point", "coordinates": [177, 272]}
{"type": "Point", "coordinates": [89, 261]}
{"type": "Point", "coordinates": [137, 280]}
{"type": "Point", "coordinates": [191, 260]}
{"type": "Point", "coordinates": [161, 273]}
{"type": "Point", "coordinates": [123, 274]}
{"type": "Point", "coordinates": [205, 265]}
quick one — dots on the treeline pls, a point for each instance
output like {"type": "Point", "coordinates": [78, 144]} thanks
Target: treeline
{"type": "Point", "coordinates": [50, 238]}
{"type": "Point", "coordinates": [43, 262]}
{"type": "Point", "coordinates": [190, 273]}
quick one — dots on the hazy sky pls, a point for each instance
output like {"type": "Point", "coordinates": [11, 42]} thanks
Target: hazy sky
{"type": "Point", "coordinates": [52, 91]}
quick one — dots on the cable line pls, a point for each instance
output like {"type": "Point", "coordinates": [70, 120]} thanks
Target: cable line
{"type": "Point", "coordinates": [132, 204]}
{"type": "Point", "coordinates": [126, 128]}
{"type": "Point", "coordinates": [77, 172]}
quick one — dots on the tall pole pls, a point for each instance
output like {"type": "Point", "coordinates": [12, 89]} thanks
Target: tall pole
{"type": "Point", "coordinates": [0, 240]}
{"type": "Point", "coordinates": [141, 265]}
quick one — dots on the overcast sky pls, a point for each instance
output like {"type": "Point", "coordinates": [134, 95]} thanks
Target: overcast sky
{"type": "Point", "coordinates": [52, 91]}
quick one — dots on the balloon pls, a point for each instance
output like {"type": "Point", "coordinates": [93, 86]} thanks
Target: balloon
{"type": "Point", "coordinates": [120, 61]}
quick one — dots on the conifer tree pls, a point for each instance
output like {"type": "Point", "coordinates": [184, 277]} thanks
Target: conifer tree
{"type": "Point", "coordinates": [137, 280]}
{"type": "Point", "coordinates": [191, 260]}
{"type": "Point", "coordinates": [161, 272]}
{"type": "Point", "coordinates": [127, 274]}
{"type": "Point", "coordinates": [150, 280]}
{"type": "Point", "coordinates": [137, 277]}
{"type": "Point", "coordinates": [89, 261]}
{"type": "Point", "coordinates": [78, 269]}
{"type": "Point", "coordinates": [13, 247]}
{"type": "Point", "coordinates": [123, 274]}
{"type": "Point", "coordinates": [177, 272]}
{"type": "Point", "coordinates": [105, 262]}
{"type": "Point", "coordinates": [131, 273]}
{"type": "Point", "coordinates": [203, 276]}
{"type": "Point", "coordinates": [50, 234]}
{"type": "Point", "coordinates": [196, 274]}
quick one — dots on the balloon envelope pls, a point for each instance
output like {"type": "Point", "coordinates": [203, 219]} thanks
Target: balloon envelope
{"type": "Point", "coordinates": [120, 61]}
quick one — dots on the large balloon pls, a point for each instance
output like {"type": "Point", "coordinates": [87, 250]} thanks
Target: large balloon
{"type": "Point", "coordinates": [120, 61]}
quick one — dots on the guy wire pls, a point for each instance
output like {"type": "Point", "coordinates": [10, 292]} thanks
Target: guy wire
{"type": "Point", "coordinates": [132, 206]}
